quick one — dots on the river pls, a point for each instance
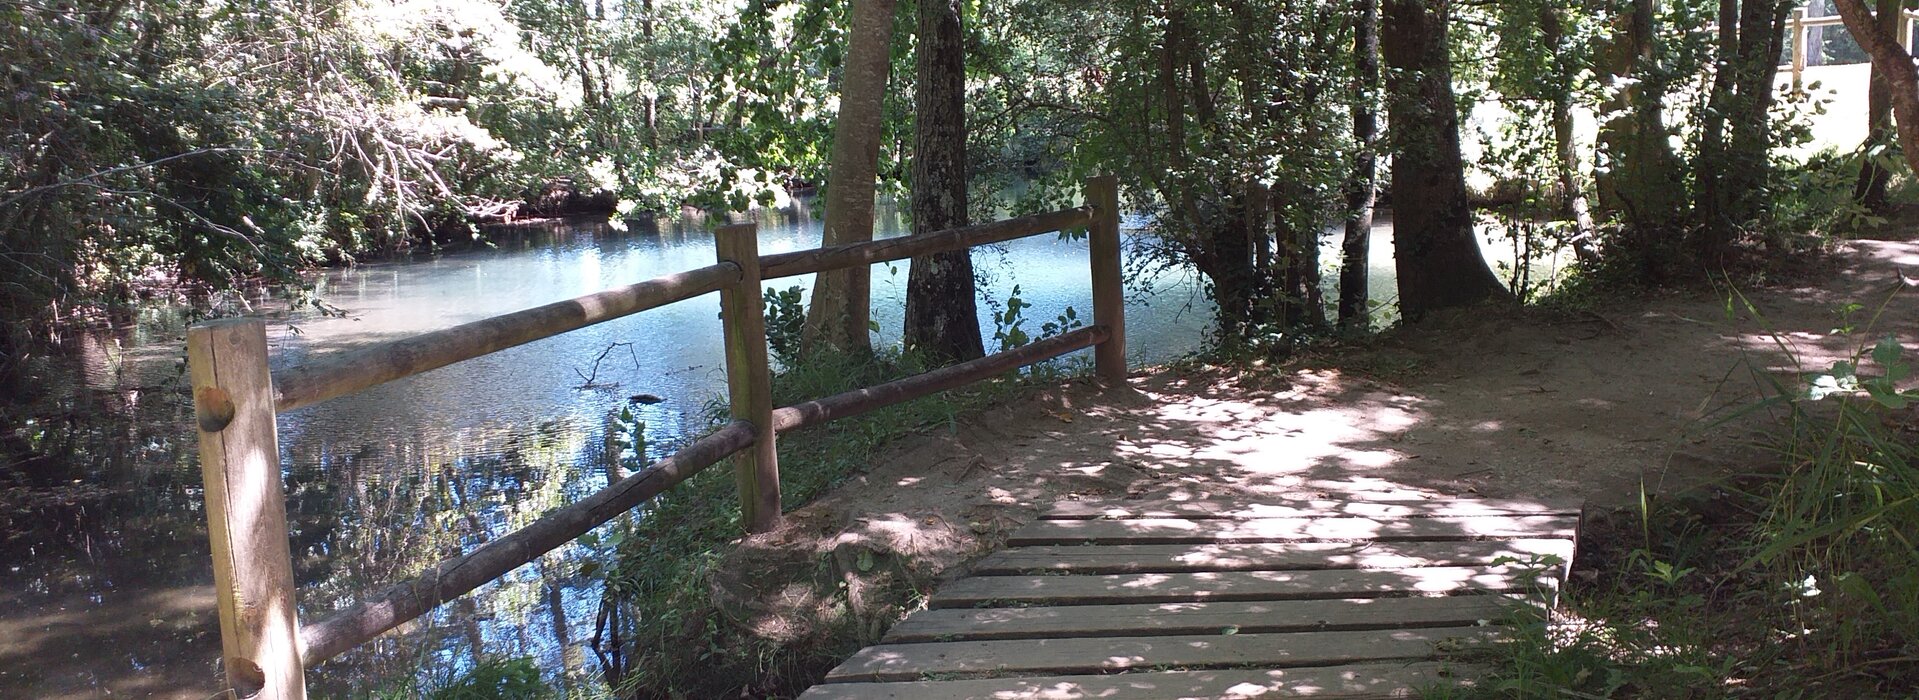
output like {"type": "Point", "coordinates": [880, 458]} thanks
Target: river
{"type": "Point", "coordinates": [106, 584]}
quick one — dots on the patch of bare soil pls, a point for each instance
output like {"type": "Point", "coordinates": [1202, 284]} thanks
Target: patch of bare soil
{"type": "Point", "coordinates": [1514, 405]}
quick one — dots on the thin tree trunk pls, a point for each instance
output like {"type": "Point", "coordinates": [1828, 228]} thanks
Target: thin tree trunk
{"type": "Point", "coordinates": [1870, 190]}
{"type": "Point", "coordinates": [1565, 144]}
{"type": "Point", "coordinates": [1709, 199]}
{"type": "Point", "coordinates": [650, 102]}
{"type": "Point", "coordinates": [841, 307]}
{"type": "Point", "coordinates": [1362, 186]}
{"type": "Point", "coordinates": [942, 315]}
{"type": "Point", "coordinates": [1434, 250]}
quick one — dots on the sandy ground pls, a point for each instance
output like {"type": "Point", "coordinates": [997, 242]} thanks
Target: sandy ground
{"type": "Point", "coordinates": [1518, 405]}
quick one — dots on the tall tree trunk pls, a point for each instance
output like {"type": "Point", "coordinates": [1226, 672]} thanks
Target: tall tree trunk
{"type": "Point", "coordinates": [1736, 141]}
{"type": "Point", "coordinates": [1709, 198]}
{"type": "Point", "coordinates": [650, 102]}
{"type": "Point", "coordinates": [942, 316]}
{"type": "Point", "coordinates": [1362, 186]}
{"type": "Point", "coordinates": [1552, 28]}
{"type": "Point", "coordinates": [1891, 73]}
{"type": "Point", "coordinates": [841, 307]}
{"type": "Point", "coordinates": [1434, 250]}
{"type": "Point", "coordinates": [1892, 61]}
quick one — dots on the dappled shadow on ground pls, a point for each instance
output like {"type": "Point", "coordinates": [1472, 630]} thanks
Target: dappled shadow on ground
{"type": "Point", "coordinates": [1584, 406]}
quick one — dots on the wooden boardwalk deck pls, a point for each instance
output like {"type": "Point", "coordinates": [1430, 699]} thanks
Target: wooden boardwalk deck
{"type": "Point", "coordinates": [1135, 600]}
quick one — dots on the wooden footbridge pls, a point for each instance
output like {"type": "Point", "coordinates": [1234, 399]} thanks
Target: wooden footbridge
{"type": "Point", "coordinates": [1209, 599]}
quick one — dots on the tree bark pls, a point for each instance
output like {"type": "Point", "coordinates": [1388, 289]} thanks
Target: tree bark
{"type": "Point", "coordinates": [1434, 250]}
{"type": "Point", "coordinates": [1893, 62]}
{"type": "Point", "coordinates": [650, 102]}
{"type": "Point", "coordinates": [1362, 186]}
{"type": "Point", "coordinates": [942, 315]}
{"type": "Point", "coordinates": [1552, 28]}
{"type": "Point", "coordinates": [1870, 190]}
{"type": "Point", "coordinates": [841, 308]}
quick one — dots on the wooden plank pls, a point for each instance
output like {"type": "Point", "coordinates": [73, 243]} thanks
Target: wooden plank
{"type": "Point", "coordinates": [1355, 682]}
{"type": "Point", "coordinates": [749, 387]}
{"type": "Point", "coordinates": [1220, 508]}
{"type": "Point", "coordinates": [1005, 591]}
{"type": "Point", "coordinates": [1144, 619]}
{"type": "Point", "coordinates": [1173, 558]}
{"type": "Point", "coordinates": [246, 509]}
{"type": "Point", "coordinates": [1189, 531]}
{"type": "Point", "coordinates": [907, 662]}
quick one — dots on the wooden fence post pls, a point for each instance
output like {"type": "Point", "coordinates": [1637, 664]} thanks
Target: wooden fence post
{"type": "Point", "coordinates": [1798, 29]}
{"type": "Point", "coordinates": [246, 509]}
{"type": "Point", "coordinates": [1905, 29]}
{"type": "Point", "coordinates": [748, 381]}
{"type": "Point", "coordinates": [1109, 294]}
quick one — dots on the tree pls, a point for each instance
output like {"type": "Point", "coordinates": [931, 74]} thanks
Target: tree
{"type": "Point", "coordinates": [841, 308]}
{"type": "Point", "coordinates": [1890, 64]}
{"type": "Point", "coordinates": [1434, 250]}
{"type": "Point", "coordinates": [1874, 177]}
{"type": "Point", "coordinates": [1639, 178]}
{"type": "Point", "coordinates": [942, 316]}
{"type": "Point", "coordinates": [1362, 188]}
{"type": "Point", "coordinates": [1732, 177]}
{"type": "Point", "coordinates": [1561, 76]}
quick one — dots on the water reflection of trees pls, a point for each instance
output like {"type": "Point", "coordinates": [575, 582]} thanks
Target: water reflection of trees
{"type": "Point", "coordinates": [372, 515]}
{"type": "Point", "coordinates": [99, 516]}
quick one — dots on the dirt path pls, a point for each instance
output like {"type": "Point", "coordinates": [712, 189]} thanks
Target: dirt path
{"type": "Point", "coordinates": [1586, 406]}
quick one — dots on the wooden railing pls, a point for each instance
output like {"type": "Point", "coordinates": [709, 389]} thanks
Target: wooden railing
{"type": "Point", "coordinates": [1797, 32]}
{"type": "Point", "coordinates": [265, 650]}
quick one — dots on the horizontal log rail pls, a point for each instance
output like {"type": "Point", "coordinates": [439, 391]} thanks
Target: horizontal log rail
{"type": "Point", "coordinates": [356, 371]}
{"type": "Point", "coordinates": [857, 401]}
{"type": "Point", "coordinates": [455, 576]}
{"type": "Point", "coordinates": [236, 400]}
{"type": "Point", "coordinates": [903, 247]}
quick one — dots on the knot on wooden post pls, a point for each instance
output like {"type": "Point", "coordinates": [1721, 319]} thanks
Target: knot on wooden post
{"type": "Point", "coordinates": [245, 678]}
{"type": "Point", "coordinates": [213, 406]}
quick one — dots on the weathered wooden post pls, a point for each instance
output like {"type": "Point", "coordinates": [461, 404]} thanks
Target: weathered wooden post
{"type": "Point", "coordinates": [246, 509]}
{"type": "Point", "coordinates": [1906, 18]}
{"type": "Point", "coordinates": [1109, 294]}
{"type": "Point", "coordinates": [1798, 29]}
{"type": "Point", "coordinates": [748, 381]}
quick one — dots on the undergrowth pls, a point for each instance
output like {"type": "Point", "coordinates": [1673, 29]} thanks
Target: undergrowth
{"type": "Point", "coordinates": [491, 679]}
{"type": "Point", "coordinates": [1797, 582]}
{"type": "Point", "coordinates": [661, 633]}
